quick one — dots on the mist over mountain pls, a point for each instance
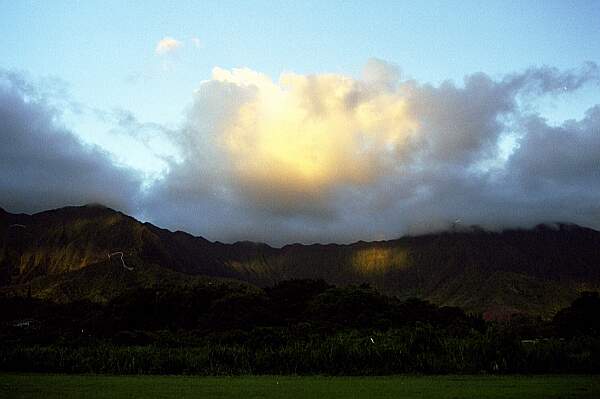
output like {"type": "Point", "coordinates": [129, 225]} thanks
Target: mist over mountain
{"type": "Point", "coordinates": [71, 253]}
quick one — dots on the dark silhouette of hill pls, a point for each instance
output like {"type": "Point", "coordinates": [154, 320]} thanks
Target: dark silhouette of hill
{"type": "Point", "coordinates": [63, 255]}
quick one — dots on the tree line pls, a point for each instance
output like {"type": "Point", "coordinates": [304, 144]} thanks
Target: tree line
{"type": "Point", "coordinates": [293, 327]}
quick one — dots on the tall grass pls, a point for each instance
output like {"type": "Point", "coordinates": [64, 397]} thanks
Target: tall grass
{"type": "Point", "coordinates": [421, 350]}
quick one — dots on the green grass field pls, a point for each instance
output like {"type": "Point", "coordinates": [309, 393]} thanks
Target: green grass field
{"type": "Point", "coordinates": [94, 386]}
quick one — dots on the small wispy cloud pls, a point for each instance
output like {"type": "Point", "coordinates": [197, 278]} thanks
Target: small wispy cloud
{"type": "Point", "coordinates": [167, 45]}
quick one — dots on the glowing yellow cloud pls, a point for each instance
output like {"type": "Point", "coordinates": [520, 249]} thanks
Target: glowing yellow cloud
{"type": "Point", "coordinates": [309, 133]}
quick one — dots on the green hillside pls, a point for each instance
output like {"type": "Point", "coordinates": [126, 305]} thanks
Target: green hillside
{"type": "Point", "coordinates": [63, 255]}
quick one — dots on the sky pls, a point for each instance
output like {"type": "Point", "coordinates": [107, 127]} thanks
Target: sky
{"type": "Point", "coordinates": [303, 121]}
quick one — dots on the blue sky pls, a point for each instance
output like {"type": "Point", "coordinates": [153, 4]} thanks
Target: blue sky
{"type": "Point", "coordinates": [216, 90]}
{"type": "Point", "coordinates": [104, 50]}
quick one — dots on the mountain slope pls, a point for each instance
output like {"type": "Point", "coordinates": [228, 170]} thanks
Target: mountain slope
{"type": "Point", "coordinates": [535, 271]}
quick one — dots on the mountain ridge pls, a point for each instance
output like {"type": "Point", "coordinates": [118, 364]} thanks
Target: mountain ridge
{"type": "Point", "coordinates": [532, 271]}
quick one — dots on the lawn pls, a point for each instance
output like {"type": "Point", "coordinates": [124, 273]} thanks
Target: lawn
{"type": "Point", "coordinates": [49, 386]}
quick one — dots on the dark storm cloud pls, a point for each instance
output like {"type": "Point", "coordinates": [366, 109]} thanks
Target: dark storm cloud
{"type": "Point", "coordinates": [43, 165]}
{"type": "Point", "coordinates": [562, 155]}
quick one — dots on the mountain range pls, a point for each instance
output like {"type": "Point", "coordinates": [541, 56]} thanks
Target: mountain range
{"type": "Point", "coordinates": [95, 253]}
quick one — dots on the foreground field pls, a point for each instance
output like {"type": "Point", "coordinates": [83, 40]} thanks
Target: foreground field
{"type": "Point", "coordinates": [91, 386]}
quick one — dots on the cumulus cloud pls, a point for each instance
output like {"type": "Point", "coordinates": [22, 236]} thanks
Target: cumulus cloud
{"type": "Point", "coordinates": [167, 45]}
{"type": "Point", "coordinates": [329, 157]}
{"type": "Point", "coordinates": [306, 135]}
{"type": "Point", "coordinates": [43, 165]}
{"type": "Point", "coordinates": [326, 157]}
